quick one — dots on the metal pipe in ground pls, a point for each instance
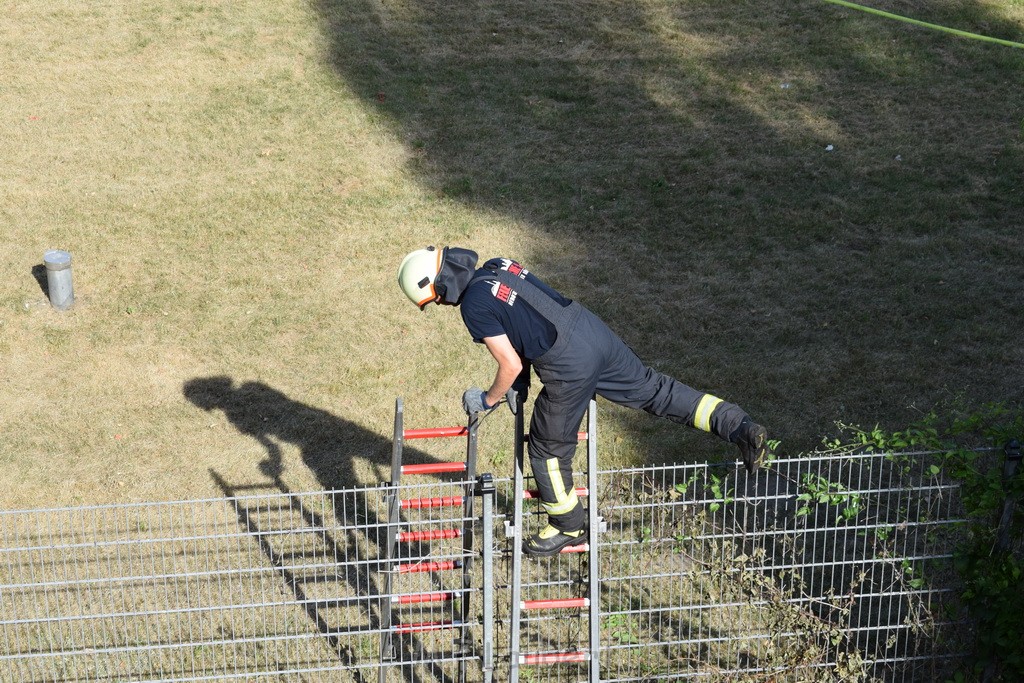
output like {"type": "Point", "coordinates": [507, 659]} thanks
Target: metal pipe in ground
{"type": "Point", "coordinates": [58, 279]}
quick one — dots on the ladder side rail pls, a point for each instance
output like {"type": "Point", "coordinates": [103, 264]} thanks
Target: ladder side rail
{"type": "Point", "coordinates": [390, 551]}
{"type": "Point", "coordinates": [386, 643]}
{"type": "Point", "coordinates": [593, 580]}
{"type": "Point", "coordinates": [488, 492]}
{"type": "Point", "coordinates": [517, 549]}
{"type": "Point", "coordinates": [469, 487]}
{"type": "Point", "coordinates": [470, 490]}
{"type": "Point", "coordinates": [397, 443]}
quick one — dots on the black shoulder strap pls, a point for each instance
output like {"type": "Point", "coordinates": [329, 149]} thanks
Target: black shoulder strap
{"type": "Point", "coordinates": [534, 295]}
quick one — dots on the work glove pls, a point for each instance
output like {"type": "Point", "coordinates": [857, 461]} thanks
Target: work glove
{"type": "Point", "coordinates": [516, 398]}
{"type": "Point", "coordinates": [474, 400]}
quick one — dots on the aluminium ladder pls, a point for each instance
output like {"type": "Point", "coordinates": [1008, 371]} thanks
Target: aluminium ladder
{"type": "Point", "coordinates": [592, 600]}
{"type": "Point", "coordinates": [393, 566]}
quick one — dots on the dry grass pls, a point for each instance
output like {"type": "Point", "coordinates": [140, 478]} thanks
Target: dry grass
{"type": "Point", "coordinates": [237, 181]}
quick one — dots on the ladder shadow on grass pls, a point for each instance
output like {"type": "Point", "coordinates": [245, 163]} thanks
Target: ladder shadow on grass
{"type": "Point", "coordinates": [268, 415]}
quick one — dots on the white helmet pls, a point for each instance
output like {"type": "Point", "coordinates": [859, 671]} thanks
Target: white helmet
{"type": "Point", "coordinates": [417, 274]}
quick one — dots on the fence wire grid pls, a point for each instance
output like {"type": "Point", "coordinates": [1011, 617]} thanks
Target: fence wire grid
{"type": "Point", "coordinates": [820, 568]}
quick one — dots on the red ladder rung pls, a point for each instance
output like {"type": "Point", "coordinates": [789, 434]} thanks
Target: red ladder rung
{"type": "Point", "coordinates": [434, 468]}
{"type": "Point", "coordinates": [418, 598]}
{"type": "Point", "coordinates": [561, 603]}
{"type": "Point", "coordinates": [431, 535]}
{"type": "Point", "coordinates": [425, 626]}
{"type": "Point", "coordinates": [418, 567]}
{"type": "Point", "coordinates": [420, 503]}
{"type": "Point", "coordinates": [530, 494]}
{"type": "Point", "coordinates": [554, 658]}
{"type": "Point", "coordinates": [434, 433]}
{"type": "Point", "coordinates": [581, 548]}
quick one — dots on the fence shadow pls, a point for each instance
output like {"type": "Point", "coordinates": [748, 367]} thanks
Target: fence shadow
{"type": "Point", "coordinates": [359, 579]}
{"type": "Point", "coordinates": [596, 122]}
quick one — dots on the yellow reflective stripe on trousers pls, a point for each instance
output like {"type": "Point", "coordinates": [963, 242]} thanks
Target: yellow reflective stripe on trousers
{"type": "Point", "coordinates": [706, 407]}
{"type": "Point", "coordinates": [564, 502]}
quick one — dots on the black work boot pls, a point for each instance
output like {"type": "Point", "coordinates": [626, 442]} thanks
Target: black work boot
{"type": "Point", "coordinates": [550, 541]}
{"type": "Point", "coordinates": [752, 440]}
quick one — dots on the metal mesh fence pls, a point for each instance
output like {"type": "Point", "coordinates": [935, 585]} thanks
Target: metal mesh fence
{"type": "Point", "coordinates": [822, 568]}
{"type": "Point", "coordinates": [245, 588]}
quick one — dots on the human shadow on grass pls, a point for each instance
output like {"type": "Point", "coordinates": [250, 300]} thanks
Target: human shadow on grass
{"type": "Point", "coordinates": [350, 546]}
{"type": "Point", "coordinates": [681, 151]}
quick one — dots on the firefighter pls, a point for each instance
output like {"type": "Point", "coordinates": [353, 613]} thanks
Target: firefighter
{"type": "Point", "coordinates": [524, 322]}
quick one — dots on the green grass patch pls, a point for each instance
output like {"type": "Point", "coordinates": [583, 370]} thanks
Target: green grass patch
{"type": "Point", "coordinates": [807, 210]}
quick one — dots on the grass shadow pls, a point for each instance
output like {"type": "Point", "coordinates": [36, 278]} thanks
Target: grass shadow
{"type": "Point", "coordinates": [684, 148]}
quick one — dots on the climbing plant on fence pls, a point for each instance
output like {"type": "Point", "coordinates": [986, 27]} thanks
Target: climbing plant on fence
{"type": "Point", "coordinates": [988, 554]}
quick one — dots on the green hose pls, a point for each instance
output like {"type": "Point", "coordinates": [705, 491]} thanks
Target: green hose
{"type": "Point", "coordinates": [889, 15]}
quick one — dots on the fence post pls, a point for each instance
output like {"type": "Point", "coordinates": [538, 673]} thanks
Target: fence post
{"type": "Point", "coordinates": [1011, 464]}
{"type": "Point", "coordinates": [487, 491]}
